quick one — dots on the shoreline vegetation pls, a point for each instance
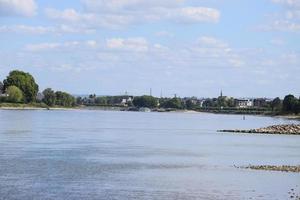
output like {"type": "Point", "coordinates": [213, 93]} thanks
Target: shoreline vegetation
{"type": "Point", "coordinates": [284, 129]}
{"type": "Point", "coordinates": [20, 91]}
{"type": "Point", "coordinates": [43, 106]}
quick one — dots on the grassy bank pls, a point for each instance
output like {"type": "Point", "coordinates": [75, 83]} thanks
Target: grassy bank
{"type": "Point", "coordinates": [31, 106]}
{"type": "Point", "coordinates": [23, 105]}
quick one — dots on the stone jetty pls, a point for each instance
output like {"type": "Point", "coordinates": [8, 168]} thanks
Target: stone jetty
{"type": "Point", "coordinates": [289, 129]}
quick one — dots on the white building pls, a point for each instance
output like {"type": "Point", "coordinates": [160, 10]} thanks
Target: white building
{"type": "Point", "coordinates": [243, 103]}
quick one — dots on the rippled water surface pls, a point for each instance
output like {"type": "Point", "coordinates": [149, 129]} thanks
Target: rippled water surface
{"type": "Point", "coordinates": [128, 155]}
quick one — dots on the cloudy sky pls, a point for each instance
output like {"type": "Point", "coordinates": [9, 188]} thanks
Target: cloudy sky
{"type": "Point", "coordinates": [247, 48]}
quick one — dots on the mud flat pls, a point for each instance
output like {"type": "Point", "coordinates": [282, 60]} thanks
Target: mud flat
{"type": "Point", "coordinates": [286, 129]}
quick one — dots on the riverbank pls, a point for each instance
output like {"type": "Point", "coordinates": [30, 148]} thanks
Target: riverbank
{"type": "Point", "coordinates": [32, 106]}
{"type": "Point", "coordinates": [42, 106]}
{"type": "Point", "coordinates": [285, 129]}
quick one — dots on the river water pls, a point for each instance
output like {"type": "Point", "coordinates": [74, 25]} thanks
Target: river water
{"type": "Point", "coordinates": [85, 154]}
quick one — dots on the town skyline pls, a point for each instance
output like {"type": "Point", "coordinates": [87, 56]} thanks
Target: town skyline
{"type": "Point", "coordinates": [188, 47]}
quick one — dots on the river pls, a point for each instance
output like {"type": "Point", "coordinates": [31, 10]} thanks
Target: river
{"type": "Point", "coordinates": [86, 154]}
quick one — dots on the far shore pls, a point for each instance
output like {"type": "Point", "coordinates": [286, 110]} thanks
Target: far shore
{"type": "Point", "coordinates": [115, 108]}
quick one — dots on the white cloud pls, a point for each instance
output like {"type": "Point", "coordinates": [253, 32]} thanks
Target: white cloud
{"type": "Point", "coordinates": [211, 42]}
{"type": "Point", "coordinates": [121, 5]}
{"type": "Point", "coordinates": [288, 20]}
{"type": "Point", "coordinates": [70, 15]}
{"type": "Point", "coordinates": [198, 14]}
{"type": "Point", "coordinates": [69, 46]}
{"type": "Point", "coordinates": [282, 25]}
{"type": "Point", "coordinates": [61, 29]}
{"type": "Point", "coordinates": [132, 44]}
{"type": "Point", "coordinates": [163, 34]}
{"type": "Point", "coordinates": [120, 13]}
{"type": "Point", "coordinates": [291, 3]}
{"type": "Point", "coordinates": [42, 46]}
{"type": "Point", "coordinates": [18, 7]}
{"type": "Point", "coordinates": [91, 43]}
{"type": "Point", "coordinates": [88, 20]}
{"type": "Point", "coordinates": [27, 29]}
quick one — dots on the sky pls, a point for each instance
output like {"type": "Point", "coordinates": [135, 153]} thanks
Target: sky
{"type": "Point", "coordinates": [246, 48]}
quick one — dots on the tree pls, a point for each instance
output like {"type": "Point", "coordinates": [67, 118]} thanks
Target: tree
{"type": "Point", "coordinates": [145, 101]}
{"type": "Point", "coordinates": [1, 87]}
{"type": "Point", "coordinates": [172, 103]}
{"type": "Point", "coordinates": [276, 104]}
{"type": "Point", "coordinates": [79, 101]}
{"type": "Point", "coordinates": [189, 104]}
{"type": "Point", "coordinates": [15, 95]}
{"type": "Point", "coordinates": [298, 107]}
{"type": "Point", "coordinates": [210, 103]}
{"type": "Point", "coordinates": [64, 99]}
{"type": "Point", "coordinates": [25, 82]}
{"type": "Point", "coordinates": [289, 104]}
{"type": "Point", "coordinates": [221, 101]}
{"type": "Point", "coordinates": [101, 100]}
{"type": "Point", "coordinates": [49, 97]}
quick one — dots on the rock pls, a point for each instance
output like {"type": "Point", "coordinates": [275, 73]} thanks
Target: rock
{"type": "Point", "coordinates": [283, 168]}
{"type": "Point", "coordinates": [290, 129]}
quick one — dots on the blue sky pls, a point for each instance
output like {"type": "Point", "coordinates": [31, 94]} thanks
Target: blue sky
{"type": "Point", "coordinates": [247, 48]}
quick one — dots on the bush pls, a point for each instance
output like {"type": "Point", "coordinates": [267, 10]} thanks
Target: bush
{"type": "Point", "coordinates": [15, 95]}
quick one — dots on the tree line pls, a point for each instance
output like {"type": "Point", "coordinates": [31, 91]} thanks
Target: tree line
{"type": "Point", "coordinates": [21, 87]}
{"type": "Point", "coordinates": [289, 105]}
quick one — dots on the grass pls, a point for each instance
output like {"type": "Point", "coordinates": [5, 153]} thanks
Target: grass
{"type": "Point", "coordinates": [23, 105]}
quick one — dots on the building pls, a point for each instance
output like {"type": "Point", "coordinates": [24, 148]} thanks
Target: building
{"type": "Point", "coordinates": [194, 100]}
{"type": "Point", "coordinates": [126, 100]}
{"type": "Point", "coordinates": [243, 103]}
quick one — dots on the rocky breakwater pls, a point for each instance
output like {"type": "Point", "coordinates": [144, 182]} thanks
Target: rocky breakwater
{"type": "Point", "coordinates": [289, 129]}
{"type": "Point", "coordinates": [283, 168]}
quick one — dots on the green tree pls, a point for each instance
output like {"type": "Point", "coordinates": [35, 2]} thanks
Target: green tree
{"type": "Point", "coordinates": [49, 97]}
{"type": "Point", "coordinates": [189, 104]}
{"type": "Point", "coordinates": [15, 95]}
{"type": "Point", "coordinates": [289, 104]}
{"type": "Point", "coordinates": [101, 100]}
{"type": "Point", "coordinates": [221, 101]}
{"type": "Point", "coordinates": [172, 103]}
{"type": "Point", "coordinates": [145, 101]}
{"type": "Point", "coordinates": [1, 87]}
{"type": "Point", "coordinates": [25, 82]}
{"type": "Point", "coordinates": [276, 104]}
{"type": "Point", "coordinates": [298, 107]}
{"type": "Point", "coordinates": [79, 101]}
{"type": "Point", "coordinates": [230, 102]}
{"type": "Point", "coordinates": [64, 99]}
{"type": "Point", "coordinates": [210, 103]}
